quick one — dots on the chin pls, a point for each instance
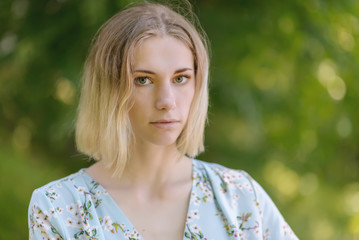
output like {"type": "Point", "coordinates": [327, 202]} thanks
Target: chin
{"type": "Point", "coordinates": [164, 140]}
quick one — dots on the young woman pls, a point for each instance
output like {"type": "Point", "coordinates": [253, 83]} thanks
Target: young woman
{"type": "Point", "coordinates": [141, 115]}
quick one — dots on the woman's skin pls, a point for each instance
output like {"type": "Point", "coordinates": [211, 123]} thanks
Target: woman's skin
{"type": "Point", "coordinates": [155, 187]}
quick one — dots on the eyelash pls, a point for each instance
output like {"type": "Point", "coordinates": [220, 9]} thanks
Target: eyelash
{"type": "Point", "coordinates": [137, 79]}
{"type": "Point", "coordinates": [186, 77]}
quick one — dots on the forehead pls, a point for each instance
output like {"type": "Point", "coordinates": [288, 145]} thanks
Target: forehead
{"type": "Point", "coordinates": [160, 53]}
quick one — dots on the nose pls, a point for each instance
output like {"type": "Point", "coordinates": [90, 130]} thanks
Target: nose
{"type": "Point", "coordinates": [165, 97]}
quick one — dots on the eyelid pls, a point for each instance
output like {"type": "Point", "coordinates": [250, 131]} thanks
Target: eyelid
{"type": "Point", "coordinates": [136, 79]}
{"type": "Point", "coordinates": [180, 75]}
{"type": "Point", "coordinates": [186, 76]}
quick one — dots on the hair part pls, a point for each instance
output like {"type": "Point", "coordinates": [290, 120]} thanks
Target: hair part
{"type": "Point", "coordinates": [103, 129]}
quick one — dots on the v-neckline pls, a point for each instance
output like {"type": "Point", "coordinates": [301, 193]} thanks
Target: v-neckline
{"type": "Point", "coordinates": [123, 216]}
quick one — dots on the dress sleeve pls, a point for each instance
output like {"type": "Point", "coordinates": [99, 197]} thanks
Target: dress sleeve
{"type": "Point", "coordinates": [273, 224]}
{"type": "Point", "coordinates": [43, 219]}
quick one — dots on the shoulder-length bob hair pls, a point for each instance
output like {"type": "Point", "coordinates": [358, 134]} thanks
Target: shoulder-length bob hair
{"type": "Point", "coordinates": [103, 129]}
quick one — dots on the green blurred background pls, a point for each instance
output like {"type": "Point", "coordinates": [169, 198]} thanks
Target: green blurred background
{"type": "Point", "coordinates": [284, 102]}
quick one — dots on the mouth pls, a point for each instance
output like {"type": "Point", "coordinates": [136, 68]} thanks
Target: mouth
{"type": "Point", "coordinates": [165, 124]}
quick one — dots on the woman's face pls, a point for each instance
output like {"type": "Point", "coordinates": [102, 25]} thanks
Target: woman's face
{"type": "Point", "coordinates": [164, 86]}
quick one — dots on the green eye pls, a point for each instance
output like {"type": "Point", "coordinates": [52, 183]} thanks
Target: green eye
{"type": "Point", "coordinates": [142, 80]}
{"type": "Point", "coordinates": [180, 79]}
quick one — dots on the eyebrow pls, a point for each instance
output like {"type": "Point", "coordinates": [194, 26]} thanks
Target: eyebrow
{"type": "Point", "coordinates": [150, 72]}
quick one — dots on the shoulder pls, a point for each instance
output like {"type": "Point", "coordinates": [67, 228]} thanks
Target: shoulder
{"type": "Point", "coordinates": [234, 189]}
{"type": "Point", "coordinates": [220, 170]}
{"type": "Point", "coordinates": [239, 197]}
{"type": "Point", "coordinates": [64, 192]}
{"type": "Point", "coordinates": [67, 185]}
{"type": "Point", "coordinates": [61, 207]}
{"type": "Point", "coordinates": [227, 178]}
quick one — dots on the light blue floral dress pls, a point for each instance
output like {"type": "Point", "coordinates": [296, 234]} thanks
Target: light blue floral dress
{"type": "Point", "coordinates": [224, 204]}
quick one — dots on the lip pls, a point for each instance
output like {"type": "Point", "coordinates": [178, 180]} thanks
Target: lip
{"type": "Point", "coordinates": [165, 123]}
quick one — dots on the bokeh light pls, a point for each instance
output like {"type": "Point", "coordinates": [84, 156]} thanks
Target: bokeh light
{"type": "Point", "coordinates": [284, 96]}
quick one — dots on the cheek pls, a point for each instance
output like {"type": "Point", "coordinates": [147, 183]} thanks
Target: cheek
{"type": "Point", "coordinates": [140, 100]}
{"type": "Point", "coordinates": [137, 109]}
{"type": "Point", "coordinates": [187, 98]}
{"type": "Point", "coordinates": [190, 99]}
{"type": "Point", "coordinates": [191, 92]}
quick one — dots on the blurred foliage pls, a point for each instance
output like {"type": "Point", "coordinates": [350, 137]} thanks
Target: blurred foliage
{"type": "Point", "coordinates": [284, 102]}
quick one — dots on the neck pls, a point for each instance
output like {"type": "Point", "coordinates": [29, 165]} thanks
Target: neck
{"type": "Point", "coordinates": [150, 171]}
{"type": "Point", "coordinates": [154, 166]}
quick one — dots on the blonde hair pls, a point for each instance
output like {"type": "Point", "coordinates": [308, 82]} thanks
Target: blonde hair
{"type": "Point", "coordinates": [103, 129]}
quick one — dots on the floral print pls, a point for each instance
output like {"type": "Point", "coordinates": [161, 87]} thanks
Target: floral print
{"type": "Point", "coordinates": [224, 204]}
